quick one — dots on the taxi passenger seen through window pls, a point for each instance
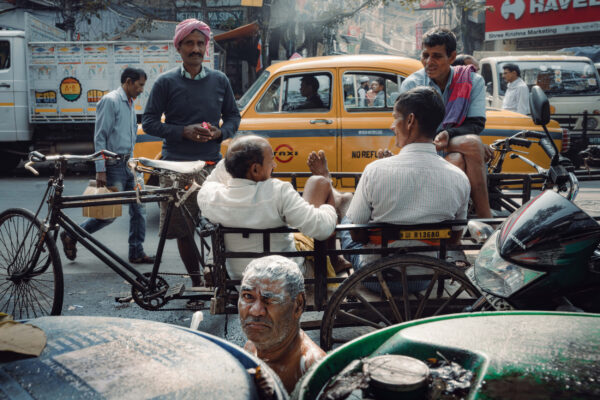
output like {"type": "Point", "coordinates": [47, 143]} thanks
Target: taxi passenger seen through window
{"type": "Point", "coordinates": [300, 93]}
{"type": "Point", "coordinates": [363, 90]}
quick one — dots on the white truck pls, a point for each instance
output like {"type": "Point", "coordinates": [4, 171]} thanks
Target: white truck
{"type": "Point", "coordinates": [49, 87]}
{"type": "Point", "coordinates": [571, 83]}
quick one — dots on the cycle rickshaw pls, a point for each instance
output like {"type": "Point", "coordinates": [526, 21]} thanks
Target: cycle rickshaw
{"type": "Point", "coordinates": [371, 298]}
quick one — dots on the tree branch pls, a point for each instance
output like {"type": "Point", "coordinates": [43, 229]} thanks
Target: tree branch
{"type": "Point", "coordinates": [340, 17]}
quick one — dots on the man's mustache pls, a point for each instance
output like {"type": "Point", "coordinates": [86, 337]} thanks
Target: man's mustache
{"type": "Point", "coordinates": [260, 320]}
{"type": "Point", "coordinates": [195, 54]}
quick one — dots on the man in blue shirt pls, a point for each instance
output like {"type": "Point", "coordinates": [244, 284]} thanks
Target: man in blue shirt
{"type": "Point", "coordinates": [460, 142]}
{"type": "Point", "coordinates": [116, 131]}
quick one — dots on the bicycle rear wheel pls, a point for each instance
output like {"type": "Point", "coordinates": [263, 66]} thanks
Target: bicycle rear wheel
{"type": "Point", "coordinates": [27, 292]}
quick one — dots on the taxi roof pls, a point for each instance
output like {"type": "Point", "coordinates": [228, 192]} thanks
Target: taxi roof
{"type": "Point", "coordinates": [353, 61]}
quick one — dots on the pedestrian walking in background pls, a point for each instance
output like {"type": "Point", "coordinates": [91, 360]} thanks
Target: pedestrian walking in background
{"type": "Point", "coordinates": [116, 131]}
{"type": "Point", "coordinates": [516, 97]}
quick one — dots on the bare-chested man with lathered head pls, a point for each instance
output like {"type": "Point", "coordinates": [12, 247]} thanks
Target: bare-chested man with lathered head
{"type": "Point", "coordinates": [271, 302]}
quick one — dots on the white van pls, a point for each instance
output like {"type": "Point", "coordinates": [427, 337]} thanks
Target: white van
{"type": "Point", "coordinates": [571, 83]}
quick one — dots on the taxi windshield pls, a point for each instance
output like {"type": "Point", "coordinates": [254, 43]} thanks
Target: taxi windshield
{"type": "Point", "coordinates": [245, 99]}
{"type": "Point", "coordinates": [556, 78]}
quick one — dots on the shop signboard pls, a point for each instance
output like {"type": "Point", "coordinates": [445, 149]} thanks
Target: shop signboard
{"type": "Point", "coordinates": [512, 19]}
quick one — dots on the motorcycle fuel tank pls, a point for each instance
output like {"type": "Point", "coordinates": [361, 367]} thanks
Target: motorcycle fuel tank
{"type": "Point", "coordinates": [548, 231]}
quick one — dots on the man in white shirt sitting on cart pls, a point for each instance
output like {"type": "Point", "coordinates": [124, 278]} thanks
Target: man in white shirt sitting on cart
{"type": "Point", "coordinates": [240, 193]}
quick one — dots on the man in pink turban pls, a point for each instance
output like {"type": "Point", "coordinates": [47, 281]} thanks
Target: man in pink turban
{"type": "Point", "coordinates": [186, 27]}
{"type": "Point", "coordinates": [193, 99]}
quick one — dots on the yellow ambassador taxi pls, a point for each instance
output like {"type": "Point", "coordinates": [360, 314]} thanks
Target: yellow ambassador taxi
{"type": "Point", "coordinates": [353, 117]}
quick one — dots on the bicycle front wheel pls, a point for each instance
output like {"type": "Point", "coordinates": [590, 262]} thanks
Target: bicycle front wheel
{"type": "Point", "coordinates": [31, 277]}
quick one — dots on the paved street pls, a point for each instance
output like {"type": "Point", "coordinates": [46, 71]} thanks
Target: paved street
{"type": "Point", "coordinates": [91, 287]}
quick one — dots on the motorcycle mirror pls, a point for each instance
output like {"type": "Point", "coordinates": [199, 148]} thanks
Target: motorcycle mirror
{"type": "Point", "coordinates": [539, 105]}
{"type": "Point", "coordinates": [479, 231]}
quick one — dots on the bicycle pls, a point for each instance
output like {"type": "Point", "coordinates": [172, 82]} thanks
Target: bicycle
{"type": "Point", "coordinates": [32, 283]}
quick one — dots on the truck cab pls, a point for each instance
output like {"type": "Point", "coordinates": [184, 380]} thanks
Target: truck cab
{"type": "Point", "coordinates": [15, 126]}
{"type": "Point", "coordinates": [50, 87]}
{"type": "Point", "coordinates": [571, 83]}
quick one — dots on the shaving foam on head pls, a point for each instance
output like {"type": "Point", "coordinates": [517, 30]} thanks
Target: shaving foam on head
{"type": "Point", "coordinates": [274, 269]}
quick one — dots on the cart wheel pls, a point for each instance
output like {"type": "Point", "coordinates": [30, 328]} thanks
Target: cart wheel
{"type": "Point", "coordinates": [40, 291]}
{"type": "Point", "coordinates": [373, 297]}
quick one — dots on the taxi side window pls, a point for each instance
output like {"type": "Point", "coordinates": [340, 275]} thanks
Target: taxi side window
{"type": "Point", "coordinates": [4, 54]}
{"type": "Point", "coordinates": [297, 93]}
{"type": "Point", "coordinates": [270, 102]}
{"type": "Point", "coordinates": [370, 92]}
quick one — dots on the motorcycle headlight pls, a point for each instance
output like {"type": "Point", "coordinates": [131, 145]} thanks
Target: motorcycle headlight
{"type": "Point", "coordinates": [497, 276]}
{"type": "Point", "coordinates": [592, 123]}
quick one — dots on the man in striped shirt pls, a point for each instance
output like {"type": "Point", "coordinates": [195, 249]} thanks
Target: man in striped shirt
{"type": "Point", "coordinates": [416, 186]}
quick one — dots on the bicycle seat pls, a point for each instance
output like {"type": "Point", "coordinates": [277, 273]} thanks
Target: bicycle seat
{"type": "Point", "coordinates": [180, 167]}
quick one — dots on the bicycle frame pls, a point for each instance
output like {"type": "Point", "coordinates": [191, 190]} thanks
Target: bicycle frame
{"type": "Point", "coordinates": [56, 219]}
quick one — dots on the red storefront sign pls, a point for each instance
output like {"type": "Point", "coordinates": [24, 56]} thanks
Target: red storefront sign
{"type": "Point", "coordinates": [526, 18]}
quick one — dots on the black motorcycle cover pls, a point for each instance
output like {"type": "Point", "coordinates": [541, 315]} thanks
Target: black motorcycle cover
{"type": "Point", "coordinates": [548, 231]}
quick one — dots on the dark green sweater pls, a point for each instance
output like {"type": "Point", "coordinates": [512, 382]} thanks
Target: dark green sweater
{"type": "Point", "coordinates": [186, 102]}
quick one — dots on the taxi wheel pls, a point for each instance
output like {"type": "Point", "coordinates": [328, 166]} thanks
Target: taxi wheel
{"type": "Point", "coordinates": [373, 297]}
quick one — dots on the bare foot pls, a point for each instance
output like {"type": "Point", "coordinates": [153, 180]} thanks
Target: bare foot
{"type": "Point", "coordinates": [342, 202]}
{"type": "Point", "coordinates": [340, 264]}
{"type": "Point", "coordinates": [317, 163]}
{"type": "Point", "coordinates": [383, 153]}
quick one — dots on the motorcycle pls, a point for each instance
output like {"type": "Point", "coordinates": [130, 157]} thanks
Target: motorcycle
{"type": "Point", "coordinates": [545, 255]}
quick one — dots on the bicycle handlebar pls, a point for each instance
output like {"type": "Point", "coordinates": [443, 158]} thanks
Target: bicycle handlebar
{"type": "Point", "coordinates": [540, 170]}
{"type": "Point", "coordinates": [36, 156]}
{"type": "Point", "coordinates": [534, 135]}
{"type": "Point", "coordinates": [519, 142]}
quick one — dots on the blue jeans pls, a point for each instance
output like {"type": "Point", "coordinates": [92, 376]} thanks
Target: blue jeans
{"type": "Point", "coordinates": [347, 243]}
{"type": "Point", "coordinates": [395, 287]}
{"type": "Point", "coordinates": [121, 177]}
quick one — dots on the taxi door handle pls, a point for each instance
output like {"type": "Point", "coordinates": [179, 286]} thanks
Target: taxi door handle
{"type": "Point", "coordinates": [321, 121]}
{"type": "Point", "coordinates": [6, 85]}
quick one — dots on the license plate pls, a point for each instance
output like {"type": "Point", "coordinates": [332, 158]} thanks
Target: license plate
{"type": "Point", "coordinates": [429, 234]}
{"type": "Point", "coordinates": [498, 303]}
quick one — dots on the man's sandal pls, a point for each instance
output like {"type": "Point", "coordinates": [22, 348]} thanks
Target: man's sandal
{"type": "Point", "coordinates": [142, 260]}
{"type": "Point", "coordinates": [69, 245]}
{"type": "Point", "coordinates": [458, 258]}
{"type": "Point", "coordinates": [194, 305]}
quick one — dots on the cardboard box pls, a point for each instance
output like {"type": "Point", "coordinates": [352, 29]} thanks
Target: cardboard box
{"type": "Point", "coordinates": [101, 212]}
